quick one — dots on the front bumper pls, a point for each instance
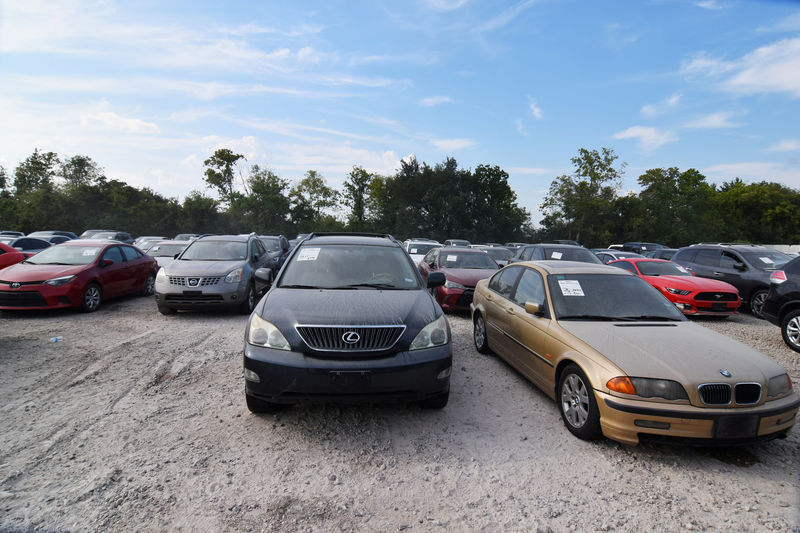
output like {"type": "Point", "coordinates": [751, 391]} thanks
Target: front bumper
{"type": "Point", "coordinates": [40, 296]}
{"type": "Point", "coordinates": [454, 299]}
{"type": "Point", "coordinates": [630, 421]}
{"type": "Point", "coordinates": [184, 297]}
{"type": "Point", "coordinates": [291, 377]}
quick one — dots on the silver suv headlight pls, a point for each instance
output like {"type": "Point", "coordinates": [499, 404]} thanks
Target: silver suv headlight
{"type": "Point", "coordinates": [437, 333]}
{"type": "Point", "coordinates": [234, 276]}
{"type": "Point", "coordinates": [263, 333]}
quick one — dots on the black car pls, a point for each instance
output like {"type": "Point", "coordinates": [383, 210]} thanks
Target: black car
{"type": "Point", "coordinates": [278, 248]}
{"type": "Point", "coordinates": [661, 253]}
{"type": "Point", "coordinates": [782, 305]}
{"type": "Point", "coordinates": [348, 320]}
{"type": "Point", "coordinates": [49, 233]}
{"type": "Point", "coordinates": [553, 252]}
{"type": "Point", "coordinates": [641, 247]}
{"type": "Point", "coordinates": [746, 267]}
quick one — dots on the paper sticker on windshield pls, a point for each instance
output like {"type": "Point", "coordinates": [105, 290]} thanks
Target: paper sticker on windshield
{"type": "Point", "coordinates": [90, 251]}
{"type": "Point", "coordinates": [308, 254]}
{"type": "Point", "coordinates": [556, 255]}
{"type": "Point", "coordinates": [452, 258]}
{"type": "Point", "coordinates": [683, 269]}
{"type": "Point", "coordinates": [570, 287]}
{"type": "Point", "coordinates": [766, 260]}
{"type": "Point", "coordinates": [413, 250]}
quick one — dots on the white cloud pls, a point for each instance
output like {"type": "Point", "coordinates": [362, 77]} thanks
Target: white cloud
{"type": "Point", "coordinates": [114, 122]}
{"type": "Point", "coordinates": [536, 111]}
{"type": "Point", "coordinates": [505, 17]}
{"type": "Point", "coordinates": [444, 5]}
{"type": "Point", "coordinates": [704, 65]}
{"type": "Point", "coordinates": [521, 127]}
{"type": "Point", "coordinates": [789, 24]}
{"type": "Point", "coordinates": [713, 121]}
{"type": "Point", "coordinates": [710, 4]}
{"type": "Point", "coordinates": [649, 138]}
{"type": "Point", "coordinates": [654, 110]}
{"type": "Point", "coordinates": [755, 171]}
{"type": "Point", "coordinates": [786, 145]}
{"type": "Point", "coordinates": [432, 101]}
{"type": "Point", "coordinates": [451, 145]}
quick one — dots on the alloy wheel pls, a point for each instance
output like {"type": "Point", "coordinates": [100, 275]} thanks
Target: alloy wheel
{"type": "Point", "coordinates": [575, 401]}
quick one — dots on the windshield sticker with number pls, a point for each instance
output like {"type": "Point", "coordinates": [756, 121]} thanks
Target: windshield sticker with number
{"type": "Point", "coordinates": [555, 255]}
{"type": "Point", "coordinates": [570, 287]}
{"type": "Point", "coordinates": [308, 254]}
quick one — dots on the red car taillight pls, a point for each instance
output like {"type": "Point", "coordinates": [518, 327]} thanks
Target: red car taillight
{"type": "Point", "coordinates": [777, 277]}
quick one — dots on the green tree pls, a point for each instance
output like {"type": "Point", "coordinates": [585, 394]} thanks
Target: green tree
{"type": "Point", "coordinates": [312, 204]}
{"type": "Point", "coordinates": [37, 171]}
{"type": "Point", "coordinates": [357, 196]}
{"type": "Point", "coordinates": [220, 172]}
{"type": "Point", "coordinates": [81, 170]}
{"type": "Point", "coordinates": [266, 208]}
{"type": "Point", "coordinates": [199, 214]}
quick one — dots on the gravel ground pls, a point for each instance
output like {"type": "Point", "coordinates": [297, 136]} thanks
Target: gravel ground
{"type": "Point", "coordinates": [136, 421]}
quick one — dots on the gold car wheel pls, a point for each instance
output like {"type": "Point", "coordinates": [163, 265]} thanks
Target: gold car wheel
{"type": "Point", "coordinates": [575, 401]}
{"type": "Point", "coordinates": [479, 335]}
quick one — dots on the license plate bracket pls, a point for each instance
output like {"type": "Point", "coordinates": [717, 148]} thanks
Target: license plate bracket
{"type": "Point", "coordinates": [736, 426]}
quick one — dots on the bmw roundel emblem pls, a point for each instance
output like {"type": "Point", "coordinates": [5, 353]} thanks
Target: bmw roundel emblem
{"type": "Point", "coordinates": [725, 372]}
{"type": "Point", "coordinates": [351, 337]}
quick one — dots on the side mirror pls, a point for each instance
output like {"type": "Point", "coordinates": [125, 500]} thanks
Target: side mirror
{"type": "Point", "coordinates": [284, 245]}
{"type": "Point", "coordinates": [107, 262]}
{"type": "Point", "coordinates": [436, 279]}
{"type": "Point", "coordinates": [740, 267]}
{"type": "Point", "coordinates": [263, 275]}
{"type": "Point", "coordinates": [534, 309]}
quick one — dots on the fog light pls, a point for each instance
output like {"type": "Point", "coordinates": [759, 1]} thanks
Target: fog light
{"type": "Point", "coordinates": [652, 424]}
{"type": "Point", "coordinates": [249, 375]}
{"type": "Point", "coordinates": [445, 373]}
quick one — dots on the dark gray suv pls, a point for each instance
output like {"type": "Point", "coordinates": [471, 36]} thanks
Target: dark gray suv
{"type": "Point", "coordinates": [213, 271]}
{"type": "Point", "coordinates": [746, 267]}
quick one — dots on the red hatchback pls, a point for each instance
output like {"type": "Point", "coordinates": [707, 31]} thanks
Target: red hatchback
{"type": "Point", "coordinates": [462, 268]}
{"type": "Point", "coordinates": [78, 273]}
{"type": "Point", "coordinates": [690, 294]}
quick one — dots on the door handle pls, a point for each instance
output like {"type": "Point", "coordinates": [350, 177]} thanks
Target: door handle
{"type": "Point", "coordinates": [490, 297]}
{"type": "Point", "coordinates": [717, 273]}
{"type": "Point", "coordinates": [510, 310]}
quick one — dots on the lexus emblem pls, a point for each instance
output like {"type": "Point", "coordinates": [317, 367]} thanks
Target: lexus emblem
{"type": "Point", "coordinates": [16, 285]}
{"type": "Point", "coordinates": [351, 337]}
{"type": "Point", "coordinates": [193, 282]}
{"type": "Point", "coordinates": [724, 372]}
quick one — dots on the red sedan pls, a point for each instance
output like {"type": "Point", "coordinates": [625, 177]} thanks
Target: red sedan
{"type": "Point", "coordinates": [78, 273]}
{"type": "Point", "coordinates": [10, 255]}
{"type": "Point", "coordinates": [690, 294]}
{"type": "Point", "coordinates": [462, 268]}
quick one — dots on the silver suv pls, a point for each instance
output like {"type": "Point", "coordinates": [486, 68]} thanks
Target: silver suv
{"type": "Point", "coordinates": [213, 271]}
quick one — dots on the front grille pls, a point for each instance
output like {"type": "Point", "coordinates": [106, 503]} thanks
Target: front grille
{"type": "Point", "coordinates": [715, 393]}
{"type": "Point", "coordinates": [716, 296]}
{"type": "Point", "coordinates": [465, 298]}
{"type": "Point", "coordinates": [22, 299]}
{"type": "Point", "coordinates": [747, 393]}
{"type": "Point", "coordinates": [21, 283]}
{"type": "Point", "coordinates": [194, 281]}
{"type": "Point", "coordinates": [190, 299]}
{"type": "Point", "coordinates": [366, 338]}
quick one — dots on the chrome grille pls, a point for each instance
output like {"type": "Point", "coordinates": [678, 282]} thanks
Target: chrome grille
{"type": "Point", "coordinates": [715, 393]}
{"type": "Point", "coordinates": [194, 281]}
{"type": "Point", "coordinates": [332, 338]}
{"type": "Point", "coordinates": [747, 393]}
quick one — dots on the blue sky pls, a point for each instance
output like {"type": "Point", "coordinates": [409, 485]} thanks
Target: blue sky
{"type": "Point", "coordinates": [150, 89]}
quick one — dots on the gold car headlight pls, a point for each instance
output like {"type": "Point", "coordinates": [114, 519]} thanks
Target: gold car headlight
{"type": "Point", "coordinates": [648, 388]}
{"type": "Point", "coordinates": [263, 333]}
{"type": "Point", "coordinates": [778, 386]}
{"type": "Point", "coordinates": [437, 333]}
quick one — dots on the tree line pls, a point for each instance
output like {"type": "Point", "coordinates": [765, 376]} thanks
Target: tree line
{"type": "Point", "coordinates": [442, 201]}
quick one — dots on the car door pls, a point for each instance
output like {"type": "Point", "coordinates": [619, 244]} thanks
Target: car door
{"type": "Point", "coordinates": [136, 268]}
{"type": "Point", "coordinates": [529, 331]}
{"type": "Point", "coordinates": [497, 319]}
{"type": "Point", "coordinates": [428, 264]}
{"type": "Point", "coordinates": [706, 263]}
{"type": "Point", "coordinates": [113, 277]}
{"type": "Point", "coordinates": [733, 269]}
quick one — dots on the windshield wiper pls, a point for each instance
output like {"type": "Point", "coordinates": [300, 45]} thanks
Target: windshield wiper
{"type": "Point", "coordinates": [367, 285]}
{"type": "Point", "coordinates": [299, 287]}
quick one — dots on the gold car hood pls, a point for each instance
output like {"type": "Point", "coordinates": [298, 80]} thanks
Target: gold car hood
{"type": "Point", "coordinates": [681, 351]}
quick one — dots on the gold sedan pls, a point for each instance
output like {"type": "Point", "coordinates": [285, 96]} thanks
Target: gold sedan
{"type": "Point", "coordinates": [621, 361]}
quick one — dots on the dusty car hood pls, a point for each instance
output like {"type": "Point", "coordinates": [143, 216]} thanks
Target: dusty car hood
{"type": "Point", "coordinates": [201, 268]}
{"type": "Point", "coordinates": [692, 283]}
{"type": "Point", "coordinates": [467, 276]}
{"type": "Point", "coordinates": [164, 261]}
{"type": "Point", "coordinates": [673, 350]}
{"type": "Point", "coordinates": [28, 272]}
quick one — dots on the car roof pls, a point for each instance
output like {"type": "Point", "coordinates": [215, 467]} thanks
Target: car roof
{"type": "Point", "coordinates": [460, 249]}
{"type": "Point", "coordinates": [738, 247]}
{"type": "Point", "coordinates": [373, 239]}
{"type": "Point", "coordinates": [643, 260]}
{"type": "Point", "coordinates": [554, 245]}
{"type": "Point", "coordinates": [224, 238]}
{"type": "Point", "coordinates": [573, 267]}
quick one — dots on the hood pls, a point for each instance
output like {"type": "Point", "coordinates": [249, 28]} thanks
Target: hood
{"type": "Point", "coordinates": [164, 261]}
{"type": "Point", "coordinates": [682, 351]}
{"type": "Point", "coordinates": [692, 283]}
{"type": "Point", "coordinates": [25, 272]}
{"type": "Point", "coordinates": [201, 268]}
{"type": "Point", "coordinates": [467, 276]}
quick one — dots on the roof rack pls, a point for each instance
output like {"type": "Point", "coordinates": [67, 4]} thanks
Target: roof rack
{"type": "Point", "coordinates": [349, 234]}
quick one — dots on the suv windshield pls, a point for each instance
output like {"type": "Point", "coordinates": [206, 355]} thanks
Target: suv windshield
{"type": "Point", "coordinates": [420, 248]}
{"type": "Point", "coordinates": [457, 259]}
{"type": "Point", "coordinates": [165, 250]}
{"type": "Point", "coordinates": [66, 255]}
{"type": "Point", "coordinates": [498, 254]}
{"type": "Point", "coordinates": [657, 268]}
{"type": "Point", "coordinates": [215, 251]}
{"type": "Point", "coordinates": [608, 297]}
{"type": "Point", "coordinates": [334, 266]}
{"type": "Point", "coordinates": [767, 260]}
{"type": "Point", "coordinates": [271, 243]}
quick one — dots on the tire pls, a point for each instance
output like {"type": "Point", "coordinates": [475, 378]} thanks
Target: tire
{"type": "Point", "coordinates": [479, 334]}
{"type": "Point", "coordinates": [436, 402]}
{"type": "Point", "coordinates": [757, 303]}
{"type": "Point", "coordinates": [149, 285]}
{"type": "Point", "coordinates": [164, 310]}
{"type": "Point", "coordinates": [256, 405]}
{"type": "Point", "coordinates": [91, 298]}
{"type": "Point", "coordinates": [577, 404]}
{"type": "Point", "coordinates": [790, 329]}
{"type": "Point", "coordinates": [249, 303]}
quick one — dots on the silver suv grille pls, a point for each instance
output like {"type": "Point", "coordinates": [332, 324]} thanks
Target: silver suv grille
{"type": "Point", "coordinates": [193, 281]}
{"type": "Point", "coordinates": [350, 338]}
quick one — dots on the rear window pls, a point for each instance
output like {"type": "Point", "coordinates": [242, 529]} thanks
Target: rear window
{"type": "Point", "coordinates": [570, 254]}
{"type": "Point", "coordinates": [456, 259]}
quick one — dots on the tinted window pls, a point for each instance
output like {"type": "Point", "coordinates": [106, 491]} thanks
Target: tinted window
{"type": "Point", "coordinates": [271, 243]}
{"type": "Point", "coordinates": [216, 251]}
{"type": "Point", "coordinates": [530, 288]}
{"type": "Point", "coordinates": [657, 268]}
{"type": "Point", "coordinates": [131, 253]}
{"type": "Point", "coordinates": [605, 258]}
{"type": "Point", "coordinates": [767, 259]}
{"type": "Point", "coordinates": [730, 260]}
{"type": "Point", "coordinates": [687, 254]}
{"type": "Point", "coordinates": [708, 257]}
{"type": "Point", "coordinates": [114, 254]}
{"type": "Point", "coordinates": [459, 259]}
{"type": "Point", "coordinates": [498, 254]}
{"type": "Point", "coordinates": [503, 282]}
{"type": "Point", "coordinates": [625, 265]}
{"type": "Point", "coordinates": [166, 250]}
{"type": "Point", "coordinates": [336, 266]}
{"type": "Point", "coordinates": [793, 267]}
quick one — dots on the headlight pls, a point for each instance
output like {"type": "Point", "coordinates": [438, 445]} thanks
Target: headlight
{"type": "Point", "coordinates": [57, 282]}
{"type": "Point", "coordinates": [676, 291]}
{"type": "Point", "coordinates": [234, 276]}
{"type": "Point", "coordinates": [437, 333]}
{"type": "Point", "coordinates": [453, 285]}
{"type": "Point", "coordinates": [161, 275]}
{"type": "Point", "coordinates": [779, 385]}
{"type": "Point", "coordinates": [263, 333]}
{"type": "Point", "coordinates": [648, 388]}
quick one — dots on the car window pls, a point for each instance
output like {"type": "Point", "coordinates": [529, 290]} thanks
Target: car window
{"type": "Point", "coordinates": [271, 243]}
{"type": "Point", "coordinates": [114, 254]}
{"type": "Point", "coordinates": [130, 253]}
{"type": "Point", "coordinates": [767, 259]}
{"type": "Point", "coordinates": [215, 251]}
{"type": "Point", "coordinates": [334, 266]}
{"type": "Point", "coordinates": [625, 265]}
{"type": "Point", "coordinates": [659, 268]}
{"type": "Point", "coordinates": [258, 248]}
{"type": "Point", "coordinates": [527, 253]}
{"type": "Point", "coordinates": [430, 257]}
{"type": "Point", "coordinates": [459, 259]}
{"type": "Point", "coordinates": [503, 282]}
{"type": "Point", "coordinates": [793, 267]}
{"type": "Point", "coordinates": [708, 257]}
{"type": "Point", "coordinates": [605, 258]}
{"type": "Point", "coordinates": [166, 250]}
{"type": "Point", "coordinates": [687, 255]}
{"type": "Point", "coordinates": [420, 248]}
{"type": "Point", "coordinates": [530, 288]}
{"type": "Point", "coordinates": [730, 260]}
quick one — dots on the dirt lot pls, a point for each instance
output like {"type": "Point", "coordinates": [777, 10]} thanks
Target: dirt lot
{"type": "Point", "coordinates": [136, 421]}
